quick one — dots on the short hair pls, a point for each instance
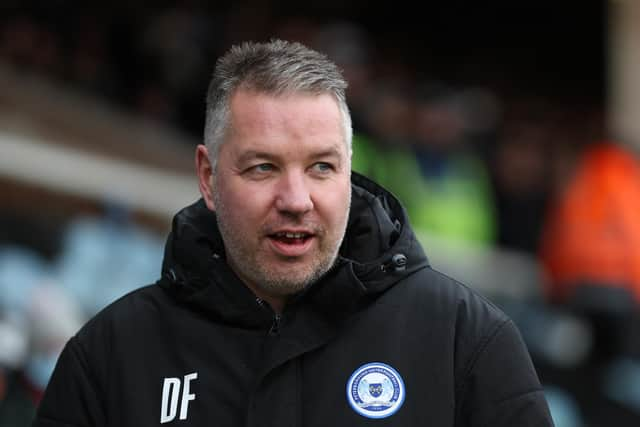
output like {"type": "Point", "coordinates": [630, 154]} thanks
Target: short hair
{"type": "Point", "coordinates": [276, 68]}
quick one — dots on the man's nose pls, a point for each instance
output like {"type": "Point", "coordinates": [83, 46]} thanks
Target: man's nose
{"type": "Point", "coordinates": [293, 194]}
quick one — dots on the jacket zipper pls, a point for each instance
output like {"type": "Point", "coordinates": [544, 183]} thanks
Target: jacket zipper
{"type": "Point", "coordinates": [275, 326]}
{"type": "Point", "coordinates": [277, 318]}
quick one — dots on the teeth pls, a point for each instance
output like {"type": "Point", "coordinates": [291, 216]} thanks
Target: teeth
{"type": "Point", "coordinates": [291, 235]}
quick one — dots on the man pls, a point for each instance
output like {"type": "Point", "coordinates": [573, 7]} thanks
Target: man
{"type": "Point", "coordinates": [294, 293]}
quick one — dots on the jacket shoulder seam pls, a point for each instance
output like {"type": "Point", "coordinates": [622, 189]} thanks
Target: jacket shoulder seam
{"type": "Point", "coordinates": [470, 289]}
{"type": "Point", "coordinates": [482, 346]}
{"type": "Point", "coordinates": [520, 395]}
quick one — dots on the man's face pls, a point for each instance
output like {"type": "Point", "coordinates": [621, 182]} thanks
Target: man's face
{"type": "Point", "coordinates": [282, 190]}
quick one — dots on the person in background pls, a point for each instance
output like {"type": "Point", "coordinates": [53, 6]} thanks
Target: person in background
{"type": "Point", "coordinates": [590, 252]}
{"type": "Point", "coordinates": [457, 202]}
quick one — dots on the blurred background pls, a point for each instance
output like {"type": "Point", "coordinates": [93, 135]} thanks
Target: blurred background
{"type": "Point", "coordinates": [510, 132]}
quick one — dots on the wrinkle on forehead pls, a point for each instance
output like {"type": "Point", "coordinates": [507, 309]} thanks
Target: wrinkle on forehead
{"type": "Point", "coordinates": [264, 110]}
{"type": "Point", "coordinates": [261, 121]}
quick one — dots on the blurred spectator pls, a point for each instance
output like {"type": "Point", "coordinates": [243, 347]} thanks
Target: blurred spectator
{"type": "Point", "coordinates": [31, 45]}
{"type": "Point", "coordinates": [521, 173]}
{"type": "Point", "coordinates": [351, 47]}
{"type": "Point", "coordinates": [43, 302]}
{"type": "Point", "coordinates": [457, 200]}
{"type": "Point", "coordinates": [591, 252]}
{"type": "Point", "coordinates": [13, 341]}
{"type": "Point", "coordinates": [90, 65]}
{"type": "Point", "coordinates": [34, 325]}
{"type": "Point", "coordinates": [53, 317]}
{"type": "Point", "coordinates": [385, 154]}
{"type": "Point", "coordinates": [592, 235]}
{"type": "Point", "coordinates": [105, 258]}
{"type": "Point", "coordinates": [17, 404]}
{"type": "Point", "coordinates": [21, 270]}
{"type": "Point", "coordinates": [174, 50]}
{"type": "Point", "coordinates": [20, 40]}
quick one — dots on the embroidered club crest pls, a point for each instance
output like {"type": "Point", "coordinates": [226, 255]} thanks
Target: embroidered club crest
{"type": "Point", "coordinates": [375, 390]}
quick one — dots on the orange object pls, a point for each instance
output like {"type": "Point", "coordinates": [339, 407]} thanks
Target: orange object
{"type": "Point", "coordinates": [592, 234]}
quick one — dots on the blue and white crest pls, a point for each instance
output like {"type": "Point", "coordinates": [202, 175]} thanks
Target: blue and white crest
{"type": "Point", "coordinates": [375, 390]}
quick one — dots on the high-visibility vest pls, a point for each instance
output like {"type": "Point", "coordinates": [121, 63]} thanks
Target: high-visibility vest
{"type": "Point", "coordinates": [457, 206]}
{"type": "Point", "coordinates": [592, 232]}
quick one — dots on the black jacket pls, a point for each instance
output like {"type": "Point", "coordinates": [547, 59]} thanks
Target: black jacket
{"type": "Point", "coordinates": [382, 339]}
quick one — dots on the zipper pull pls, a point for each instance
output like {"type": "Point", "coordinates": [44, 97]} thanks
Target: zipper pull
{"type": "Point", "coordinates": [277, 317]}
{"type": "Point", "coordinates": [275, 326]}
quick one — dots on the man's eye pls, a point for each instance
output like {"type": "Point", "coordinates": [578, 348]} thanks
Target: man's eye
{"type": "Point", "coordinates": [323, 167]}
{"type": "Point", "coordinates": [263, 167]}
{"type": "Point", "coordinates": [259, 171]}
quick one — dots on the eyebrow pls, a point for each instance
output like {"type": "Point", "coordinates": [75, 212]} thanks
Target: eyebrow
{"type": "Point", "coordinates": [330, 152]}
{"type": "Point", "coordinates": [255, 154]}
{"type": "Point", "coordinates": [249, 155]}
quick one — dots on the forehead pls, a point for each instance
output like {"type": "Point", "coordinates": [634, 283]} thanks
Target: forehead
{"type": "Point", "coordinates": [299, 117]}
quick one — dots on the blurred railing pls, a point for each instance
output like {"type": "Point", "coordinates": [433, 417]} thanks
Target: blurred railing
{"type": "Point", "coordinates": [55, 140]}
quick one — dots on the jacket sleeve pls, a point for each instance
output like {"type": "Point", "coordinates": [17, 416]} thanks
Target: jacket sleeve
{"type": "Point", "coordinates": [501, 387]}
{"type": "Point", "coordinates": [71, 398]}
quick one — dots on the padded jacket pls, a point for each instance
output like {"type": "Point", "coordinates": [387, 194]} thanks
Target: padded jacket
{"type": "Point", "coordinates": [382, 339]}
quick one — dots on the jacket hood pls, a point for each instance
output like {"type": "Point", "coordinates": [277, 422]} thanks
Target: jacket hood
{"type": "Point", "coordinates": [379, 249]}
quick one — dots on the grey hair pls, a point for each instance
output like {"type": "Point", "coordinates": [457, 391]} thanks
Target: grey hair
{"type": "Point", "coordinates": [276, 68]}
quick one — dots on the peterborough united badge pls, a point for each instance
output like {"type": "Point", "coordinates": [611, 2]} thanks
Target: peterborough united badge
{"type": "Point", "coordinates": [375, 390]}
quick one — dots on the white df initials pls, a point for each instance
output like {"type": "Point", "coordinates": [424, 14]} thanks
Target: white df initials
{"type": "Point", "coordinates": [171, 396]}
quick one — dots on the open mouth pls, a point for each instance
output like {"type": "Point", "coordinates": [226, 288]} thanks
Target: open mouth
{"type": "Point", "coordinates": [290, 238]}
{"type": "Point", "coordinates": [291, 243]}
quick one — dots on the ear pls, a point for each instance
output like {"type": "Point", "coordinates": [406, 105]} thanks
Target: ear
{"type": "Point", "coordinates": [205, 175]}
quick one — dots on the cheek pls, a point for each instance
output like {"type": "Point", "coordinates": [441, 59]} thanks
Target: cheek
{"type": "Point", "coordinates": [334, 204]}
{"type": "Point", "coordinates": [245, 205]}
